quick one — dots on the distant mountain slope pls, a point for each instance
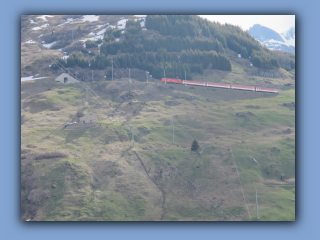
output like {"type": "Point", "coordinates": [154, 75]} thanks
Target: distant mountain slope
{"type": "Point", "coordinates": [284, 42]}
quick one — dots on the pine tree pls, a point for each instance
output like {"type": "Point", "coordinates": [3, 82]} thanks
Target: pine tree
{"type": "Point", "coordinates": [195, 145]}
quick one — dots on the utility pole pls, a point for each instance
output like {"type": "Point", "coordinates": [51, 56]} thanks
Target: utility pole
{"type": "Point", "coordinates": [185, 75]}
{"type": "Point", "coordinates": [72, 35]}
{"type": "Point", "coordinates": [112, 68]}
{"type": "Point", "coordinates": [257, 203]}
{"type": "Point", "coordinates": [165, 80]}
{"type": "Point", "coordinates": [86, 102]}
{"type": "Point", "coordinates": [147, 75]}
{"type": "Point", "coordinates": [172, 130]}
{"type": "Point", "coordinates": [132, 141]}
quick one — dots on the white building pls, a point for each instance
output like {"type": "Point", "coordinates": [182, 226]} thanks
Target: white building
{"type": "Point", "coordinates": [89, 118]}
{"type": "Point", "coordinates": [65, 78]}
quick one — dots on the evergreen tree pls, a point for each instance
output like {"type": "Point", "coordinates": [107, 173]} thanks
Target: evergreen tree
{"type": "Point", "coordinates": [195, 145]}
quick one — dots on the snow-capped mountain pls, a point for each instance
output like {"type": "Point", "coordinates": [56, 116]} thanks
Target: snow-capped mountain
{"type": "Point", "coordinates": [269, 38]}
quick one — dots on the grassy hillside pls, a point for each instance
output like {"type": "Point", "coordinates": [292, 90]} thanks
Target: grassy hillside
{"type": "Point", "coordinates": [89, 172]}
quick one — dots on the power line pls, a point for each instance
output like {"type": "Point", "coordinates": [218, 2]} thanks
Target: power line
{"type": "Point", "coordinates": [240, 184]}
{"type": "Point", "coordinates": [96, 95]}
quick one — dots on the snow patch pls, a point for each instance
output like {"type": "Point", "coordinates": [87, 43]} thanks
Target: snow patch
{"type": "Point", "coordinates": [117, 39]}
{"type": "Point", "coordinates": [101, 32]}
{"type": "Point", "coordinates": [65, 57]}
{"type": "Point", "coordinates": [142, 24]}
{"type": "Point", "coordinates": [68, 20]}
{"type": "Point", "coordinates": [90, 18]}
{"type": "Point", "coordinates": [122, 23]}
{"type": "Point", "coordinates": [38, 28]}
{"type": "Point", "coordinates": [30, 41]}
{"type": "Point", "coordinates": [44, 17]}
{"type": "Point", "coordinates": [99, 26]}
{"type": "Point", "coordinates": [30, 78]}
{"type": "Point", "coordinates": [140, 16]}
{"type": "Point", "coordinates": [40, 35]}
{"type": "Point", "coordinates": [31, 21]}
{"type": "Point", "coordinates": [48, 45]}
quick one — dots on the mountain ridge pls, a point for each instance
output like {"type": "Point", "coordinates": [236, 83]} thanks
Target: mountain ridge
{"type": "Point", "coordinates": [284, 42]}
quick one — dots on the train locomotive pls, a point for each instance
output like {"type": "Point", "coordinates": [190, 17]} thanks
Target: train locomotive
{"type": "Point", "coordinates": [220, 85]}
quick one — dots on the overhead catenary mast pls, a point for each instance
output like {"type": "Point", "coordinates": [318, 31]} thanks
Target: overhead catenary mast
{"type": "Point", "coordinates": [257, 203]}
{"type": "Point", "coordinates": [172, 130]}
{"type": "Point", "coordinates": [112, 68]}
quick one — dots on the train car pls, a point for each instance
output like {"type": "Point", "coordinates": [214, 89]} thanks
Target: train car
{"type": "Point", "coordinates": [218, 85]}
{"type": "Point", "coordinates": [241, 87]}
{"type": "Point", "coordinates": [170, 80]}
{"type": "Point", "coordinates": [197, 83]}
{"type": "Point", "coordinates": [271, 90]}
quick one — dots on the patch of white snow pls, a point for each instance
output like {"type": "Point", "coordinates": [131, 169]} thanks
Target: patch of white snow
{"type": "Point", "coordinates": [38, 28]}
{"type": "Point", "coordinates": [30, 41]}
{"type": "Point", "coordinates": [68, 20]}
{"type": "Point", "coordinates": [122, 23]}
{"type": "Point", "coordinates": [48, 45]}
{"type": "Point", "coordinates": [30, 78]}
{"type": "Point", "coordinates": [90, 18]}
{"type": "Point", "coordinates": [40, 35]}
{"type": "Point", "coordinates": [44, 17]}
{"type": "Point", "coordinates": [101, 32]}
{"type": "Point", "coordinates": [99, 26]}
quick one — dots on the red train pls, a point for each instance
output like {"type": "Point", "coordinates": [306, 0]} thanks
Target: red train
{"type": "Point", "coordinates": [220, 85]}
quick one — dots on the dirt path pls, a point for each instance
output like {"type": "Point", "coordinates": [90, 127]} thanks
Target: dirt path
{"type": "Point", "coordinates": [162, 191]}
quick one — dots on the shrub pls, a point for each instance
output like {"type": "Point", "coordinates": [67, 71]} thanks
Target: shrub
{"type": "Point", "coordinates": [91, 44]}
{"type": "Point", "coordinates": [80, 114]}
{"type": "Point", "coordinates": [195, 145]}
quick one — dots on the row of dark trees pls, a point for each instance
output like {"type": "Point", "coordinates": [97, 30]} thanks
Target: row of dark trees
{"type": "Point", "coordinates": [177, 51]}
{"type": "Point", "coordinates": [177, 44]}
{"type": "Point", "coordinates": [177, 25]}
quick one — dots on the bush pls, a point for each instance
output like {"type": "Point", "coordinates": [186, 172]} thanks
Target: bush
{"type": "Point", "coordinates": [91, 44]}
{"type": "Point", "coordinates": [80, 114]}
{"type": "Point", "coordinates": [195, 145]}
{"type": "Point", "coordinates": [83, 50]}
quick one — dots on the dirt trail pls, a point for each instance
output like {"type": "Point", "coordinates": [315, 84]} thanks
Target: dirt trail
{"type": "Point", "coordinates": [162, 191]}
